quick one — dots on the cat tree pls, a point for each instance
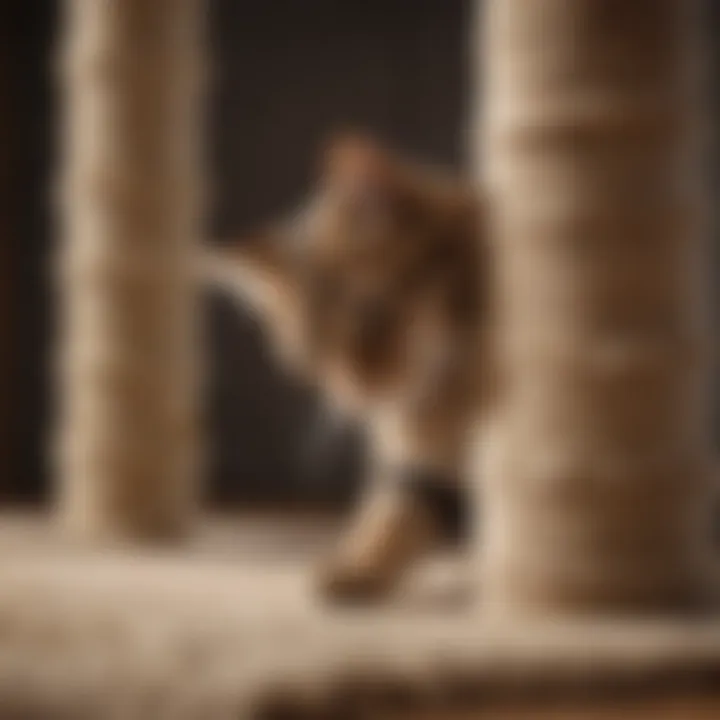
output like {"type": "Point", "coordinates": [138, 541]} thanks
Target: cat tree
{"type": "Point", "coordinates": [596, 478]}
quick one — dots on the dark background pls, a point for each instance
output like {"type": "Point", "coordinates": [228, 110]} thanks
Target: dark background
{"type": "Point", "coordinates": [286, 73]}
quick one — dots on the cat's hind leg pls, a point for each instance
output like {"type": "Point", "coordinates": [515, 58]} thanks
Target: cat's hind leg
{"type": "Point", "coordinates": [398, 524]}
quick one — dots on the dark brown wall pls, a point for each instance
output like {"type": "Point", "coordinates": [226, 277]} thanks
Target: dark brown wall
{"type": "Point", "coordinates": [27, 110]}
{"type": "Point", "coordinates": [6, 232]}
{"type": "Point", "coordinates": [289, 72]}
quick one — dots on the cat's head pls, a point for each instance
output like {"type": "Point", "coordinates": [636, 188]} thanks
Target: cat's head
{"type": "Point", "coordinates": [380, 255]}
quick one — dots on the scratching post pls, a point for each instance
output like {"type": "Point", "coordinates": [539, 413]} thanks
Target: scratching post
{"type": "Point", "coordinates": [598, 492]}
{"type": "Point", "coordinates": [130, 201]}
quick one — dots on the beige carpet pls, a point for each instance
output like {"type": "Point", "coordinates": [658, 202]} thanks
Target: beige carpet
{"type": "Point", "coordinates": [228, 627]}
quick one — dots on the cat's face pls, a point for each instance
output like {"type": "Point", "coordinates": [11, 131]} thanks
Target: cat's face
{"type": "Point", "coordinates": [368, 268]}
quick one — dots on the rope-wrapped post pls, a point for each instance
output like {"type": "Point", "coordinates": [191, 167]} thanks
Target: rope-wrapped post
{"type": "Point", "coordinates": [597, 496]}
{"type": "Point", "coordinates": [131, 207]}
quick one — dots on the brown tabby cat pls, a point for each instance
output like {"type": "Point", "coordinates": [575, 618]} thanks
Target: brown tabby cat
{"type": "Point", "coordinates": [374, 291]}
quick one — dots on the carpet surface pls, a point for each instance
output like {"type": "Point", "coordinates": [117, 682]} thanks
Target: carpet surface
{"type": "Point", "coordinates": [228, 627]}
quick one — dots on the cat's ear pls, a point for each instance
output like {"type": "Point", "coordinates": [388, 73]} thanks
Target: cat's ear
{"type": "Point", "coordinates": [352, 155]}
{"type": "Point", "coordinates": [360, 171]}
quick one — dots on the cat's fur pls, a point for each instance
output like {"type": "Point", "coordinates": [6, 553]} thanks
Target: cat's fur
{"type": "Point", "coordinates": [374, 291]}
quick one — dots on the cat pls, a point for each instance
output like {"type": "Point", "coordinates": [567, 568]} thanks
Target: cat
{"type": "Point", "coordinates": [374, 290]}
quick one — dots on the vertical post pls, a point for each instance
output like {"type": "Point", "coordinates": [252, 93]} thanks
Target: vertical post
{"type": "Point", "coordinates": [131, 213]}
{"type": "Point", "coordinates": [597, 496]}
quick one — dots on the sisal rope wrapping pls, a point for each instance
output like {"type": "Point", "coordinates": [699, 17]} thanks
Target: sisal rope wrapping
{"type": "Point", "coordinates": [596, 488]}
{"type": "Point", "coordinates": [126, 439]}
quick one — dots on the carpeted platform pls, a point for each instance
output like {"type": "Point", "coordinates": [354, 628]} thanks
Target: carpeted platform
{"type": "Point", "coordinates": [227, 627]}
